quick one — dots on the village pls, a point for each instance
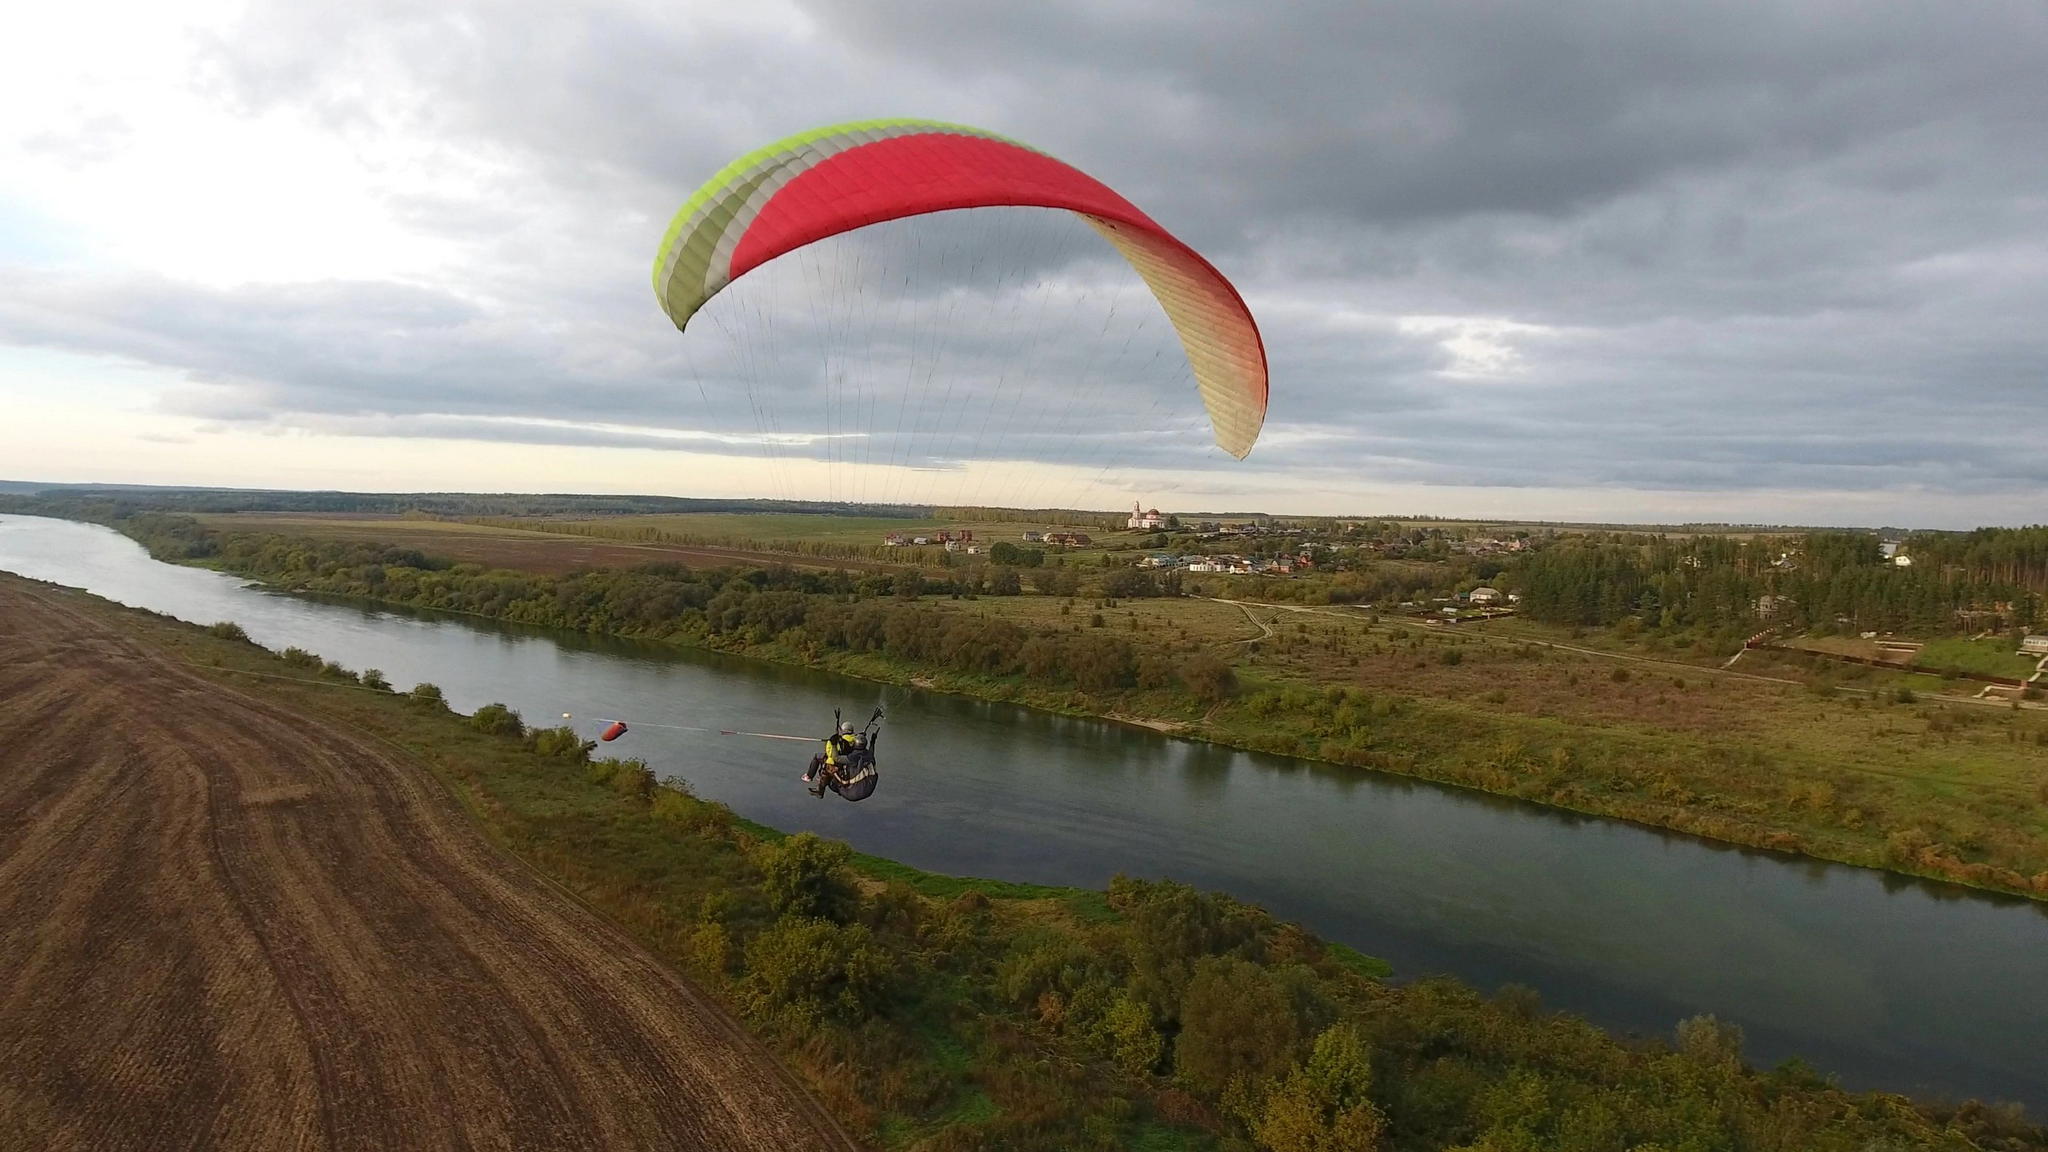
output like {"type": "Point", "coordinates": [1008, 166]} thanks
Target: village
{"type": "Point", "coordinates": [1258, 546]}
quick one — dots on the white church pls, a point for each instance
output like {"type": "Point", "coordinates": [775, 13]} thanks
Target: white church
{"type": "Point", "coordinates": [1147, 520]}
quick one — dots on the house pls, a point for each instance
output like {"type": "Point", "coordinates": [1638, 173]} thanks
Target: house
{"type": "Point", "coordinates": [1147, 520]}
{"type": "Point", "coordinates": [1034, 537]}
{"type": "Point", "coordinates": [1902, 560]}
{"type": "Point", "coordinates": [1068, 539]}
{"type": "Point", "coordinates": [893, 540]}
{"type": "Point", "coordinates": [1484, 596]}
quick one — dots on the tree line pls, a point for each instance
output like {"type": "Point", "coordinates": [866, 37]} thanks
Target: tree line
{"type": "Point", "coordinates": [1817, 581]}
{"type": "Point", "coordinates": [807, 610]}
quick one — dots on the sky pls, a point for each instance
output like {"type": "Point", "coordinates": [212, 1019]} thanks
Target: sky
{"type": "Point", "coordinates": [1600, 260]}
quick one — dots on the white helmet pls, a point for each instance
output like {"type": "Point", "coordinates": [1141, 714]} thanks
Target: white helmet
{"type": "Point", "coordinates": [846, 727]}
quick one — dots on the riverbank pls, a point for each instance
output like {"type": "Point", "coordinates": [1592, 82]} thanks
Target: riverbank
{"type": "Point", "coordinates": [1880, 777]}
{"type": "Point", "coordinates": [943, 1013]}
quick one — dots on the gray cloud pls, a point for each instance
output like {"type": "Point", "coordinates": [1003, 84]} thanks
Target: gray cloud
{"type": "Point", "coordinates": [1725, 248]}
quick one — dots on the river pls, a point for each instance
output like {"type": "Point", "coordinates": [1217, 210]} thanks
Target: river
{"type": "Point", "coordinates": [1889, 982]}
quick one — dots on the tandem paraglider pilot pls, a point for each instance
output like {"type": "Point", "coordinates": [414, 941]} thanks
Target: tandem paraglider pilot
{"type": "Point", "coordinates": [847, 763]}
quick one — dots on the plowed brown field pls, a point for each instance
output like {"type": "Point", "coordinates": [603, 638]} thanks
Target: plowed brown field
{"type": "Point", "coordinates": [225, 923]}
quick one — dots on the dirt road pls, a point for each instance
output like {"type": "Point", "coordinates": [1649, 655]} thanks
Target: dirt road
{"type": "Point", "coordinates": [228, 924]}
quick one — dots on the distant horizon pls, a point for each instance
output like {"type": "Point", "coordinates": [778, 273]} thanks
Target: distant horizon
{"type": "Point", "coordinates": [30, 486]}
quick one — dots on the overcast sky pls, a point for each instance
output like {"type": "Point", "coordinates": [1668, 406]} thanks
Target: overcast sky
{"type": "Point", "coordinates": [1771, 262]}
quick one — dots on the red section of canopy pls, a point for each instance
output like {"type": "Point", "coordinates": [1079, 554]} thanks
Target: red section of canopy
{"type": "Point", "coordinates": [913, 175]}
{"type": "Point", "coordinates": [938, 171]}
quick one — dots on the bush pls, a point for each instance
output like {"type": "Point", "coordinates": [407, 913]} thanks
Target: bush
{"type": "Point", "coordinates": [630, 778]}
{"type": "Point", "coordinates": [1209, 677]}
{"type": "Point", "coordinates": [800, 971]}
{"type": "Point", "coordinates": [1452, 656]}
{"type": "Point", "coordinates": [1234, 1022]}
{"type": "Point", "coordinates": [1324, 1104]}
{"type": "Point", "coordinates": [1710, 1040]}
{"type": "Point", "coordinates": [428, 695]}
{"type": "Point", "coordinates": [562, 743]}
{"type": "Point", "coordinates": [498, 720]}
{"type": "Point", "coordinates": [374, 678]}
{"type": "Point", "coordinates": [1619, 675]}
{"type": "Point", "coordinates": [228, 630]}
{"type": "Point", "coordinates": [802, 877]}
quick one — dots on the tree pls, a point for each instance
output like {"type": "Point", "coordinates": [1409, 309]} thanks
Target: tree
{"type": "Point", "coordinates": [1234, 1021]}
{"type": "Point", "coordinates": [1208, 677]}
{"type": "Point", "coordinates": [498, 720]}
{"type": "Point", "coordinates": [1324, 1106]}
{"type": "Point", "coordinates": [801, 876]}
{"type": "Point", "coordinates": [801, 970]}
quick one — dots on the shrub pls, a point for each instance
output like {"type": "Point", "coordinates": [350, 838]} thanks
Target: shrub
{"type": "Point", "coordinates": [1234, 1021]}
{"type": "Point", "coordinates": [802, 876]}
{"type": "Point", "coordinates": [1325, 1103]}
{"type": "Point", "coordinates": [228, 630]}
{"type": "Point", "coordinates": [428, 695]}
{"type": "Point", "coordinates": [299, 658]}
{"type": "Point", "coordinates": [1128, 1033]}
{"type": "Point", "coordinates": [562, 743]}
{"type": "Point", "coordinates": [1452, 656]}
{"type": "Point", "coordinates": [631, 778]}
{"type": "Point", "coordinates": [1209, 677]}
{"type": "Point", "coordinates": [374, 678]}
{"type": "Point", "coordinates": [799, 971]}
{"type": "Point", "coordinates": [1710, 1040]}
{"type": "Point", "coordinates": [498, 720]}
{"type": "Point", "coordinates": [1619, 675]}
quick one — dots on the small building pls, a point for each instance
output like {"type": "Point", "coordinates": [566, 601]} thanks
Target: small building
{"type": "Point", "coordinates": [893, 540]}
{"type": "Point", "coordinates": [1068, 539]}
{"type": "Point", "coordinates": [1902, 560]}
{"type": "Point", "coordinates": [1034, 537]}
{"type": "Point", "coordinates": [2034, 646]}
{"type": "Point", "coordinates": [1147, 520]}
{"type": "Point", "coordinates": [1484, 596]}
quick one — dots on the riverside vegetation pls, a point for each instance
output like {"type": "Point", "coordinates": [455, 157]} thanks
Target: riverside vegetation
{"type": "Point", "coordinates": [937, 1013]}
{"type": "Point", "coordinates": [1882, 777]}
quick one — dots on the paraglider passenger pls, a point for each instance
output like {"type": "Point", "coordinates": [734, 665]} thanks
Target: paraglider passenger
{"type": "Point", "coordinates": [833, 760]}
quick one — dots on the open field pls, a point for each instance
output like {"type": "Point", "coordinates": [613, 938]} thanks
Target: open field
{"type": "Point", "coordinates": [497, 547]}
{"type": "Point", "coordinates": [1995, 657]}
{"type": "Point", "coordinates": [226, 922]}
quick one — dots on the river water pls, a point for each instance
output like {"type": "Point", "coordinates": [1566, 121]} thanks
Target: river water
{"type": "Point", "coordinates": [1890, 983]}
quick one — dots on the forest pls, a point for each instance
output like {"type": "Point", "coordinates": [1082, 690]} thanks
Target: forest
{"type": "Point", "coordinates": [1823, 581]}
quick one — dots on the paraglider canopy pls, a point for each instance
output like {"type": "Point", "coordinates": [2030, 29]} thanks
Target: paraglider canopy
{"type": "Point", "coordinates": [832, 180]}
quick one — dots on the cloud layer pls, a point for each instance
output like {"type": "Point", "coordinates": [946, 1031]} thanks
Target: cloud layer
{"type": "Point", "coordinates": [1726, 260]}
